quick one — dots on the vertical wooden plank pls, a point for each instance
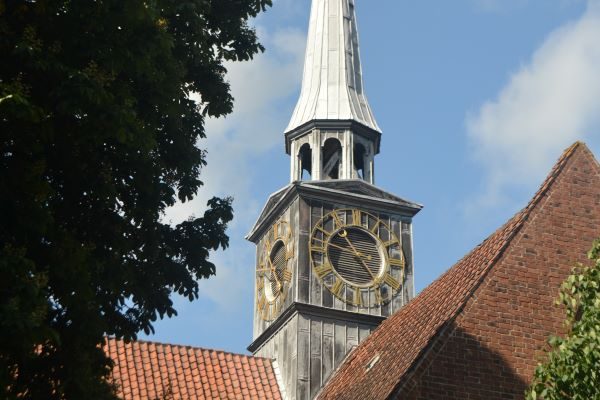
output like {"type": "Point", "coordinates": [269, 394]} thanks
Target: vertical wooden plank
{"type": "Point", "coordinates": [339, 339]}
{"type": "Point", "coordinates": [363, 332]}
{"type": "Point", "coordinates": [315, 285]}
{"type": "Point", "coordinates": [337, 303]}
{"type": "Point", "coordinates": [303, 357]}
{"type": "Point", "coordinates": [327, 296]}
{"type": "Point", "coordinates": [398, 274]}
{"type": "Point", "coordinates": [328, 350]}
{"type": "Point", "coordinates": [293, 367]}
{"type": "Point", "coordinates": [315, 356]}
{"type": "Point", "coordinates": [303, 390]}
{"type": "Point", "coordinates": [386, 309]}
{"type": "Point", "coordinates": [293, 217]}
{"type": "Point", "coordinates": [408, 253]}
{"type": "Point", "coordinates": [351, 337]}
{"type": "Point", "coordinates": [302, 254]}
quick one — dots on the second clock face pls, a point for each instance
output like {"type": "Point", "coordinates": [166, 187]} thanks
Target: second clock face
{"type": "Point", "coordinates": [274, 271]}
{"type": "Point", "coordinates": [357, 257]}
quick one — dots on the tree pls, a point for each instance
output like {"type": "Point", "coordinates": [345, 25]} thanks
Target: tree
{"type": "Point", "coordinates": [572, 370]}
{"type": "Point", "coordinates": [97, 139]}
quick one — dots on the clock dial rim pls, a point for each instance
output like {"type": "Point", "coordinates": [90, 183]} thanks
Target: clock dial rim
{"type": "Point", "coordinates": [269, 305]}
{"type": "Point", "coordinates": [380, 289]}
{"type": "Point", "coordinates": [272, 297]}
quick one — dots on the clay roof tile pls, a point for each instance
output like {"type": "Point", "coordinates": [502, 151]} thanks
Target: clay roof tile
{"type": "Point", "coordinates": [147, 370]}
{"type": "Point", "coordinates": [405, 336]}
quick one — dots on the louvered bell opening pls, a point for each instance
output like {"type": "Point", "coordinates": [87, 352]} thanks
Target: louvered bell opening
{"type": "Point", "coordinates": [347, 263]}
{"type": "Point", "coordinates": [278, 263]}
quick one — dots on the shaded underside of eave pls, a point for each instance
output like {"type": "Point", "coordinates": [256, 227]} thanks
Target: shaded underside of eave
{"type": "Point", "coordinates": [403, 340]}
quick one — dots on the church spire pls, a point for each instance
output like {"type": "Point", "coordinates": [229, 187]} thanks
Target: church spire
{"type": "Point", "coordinates": [332, 133]}
{"type": "Point", "coordinates": [332, 86]}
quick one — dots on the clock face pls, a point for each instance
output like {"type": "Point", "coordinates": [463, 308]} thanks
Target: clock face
{"type": "Point", "coordinates": [274, 271]}
{"type": "Point", "coordinates": [357, 257]}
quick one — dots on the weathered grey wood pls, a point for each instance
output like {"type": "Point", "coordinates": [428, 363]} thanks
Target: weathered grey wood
{"type": "Point", "coordinates": [316, 289]}
{"type": "Point", "coordinates": [303, 390]}
{"type": "Point", "coordinates": [315, 355]}
{"type": "Point", "coordinates": [363, 332]}
{"type": "Point", "coordinates": [312, 344]}
{"type": "Point", "coordinates": [328, 350]}
{"type": "Point", "coordinates": [339, 338]}
{"type": "Point", "coordinates": [407, 247]}
{"type": "Point", "coordinates": [303, 265]}
{"type": "Point", "coordinates": [351, 337]}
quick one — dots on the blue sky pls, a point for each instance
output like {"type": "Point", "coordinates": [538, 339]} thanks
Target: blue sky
{"type": "Point", "coordinates": [476, 100]}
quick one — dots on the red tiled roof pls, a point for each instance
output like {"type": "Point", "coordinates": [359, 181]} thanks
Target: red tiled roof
{"type": "Point", "coordinates": [149, 371]}
{"type": "Point", "coordinates": [397, 345]}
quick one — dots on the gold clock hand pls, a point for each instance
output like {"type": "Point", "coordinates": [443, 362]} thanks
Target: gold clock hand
{"type": "Point", "coordinates": [343, 248]}
{"type": "Point", "coordinates": [344, 234]}
{"type": "Point", "coordinates": [358, 254]}
{"type": "Point", "coordinates": [279, 285]}
{"type": "Point", "coordinates": [325, 242]}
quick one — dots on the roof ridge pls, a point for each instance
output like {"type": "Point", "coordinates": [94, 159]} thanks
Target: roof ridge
{"type": "Point", "coordinates": [144, 341]}
{"type": "Point", "coordinates": [520, 216]}
{"type": "Point", "coordinates": [518, 219]}
{"type": "Point", "coordinates": [495, 246]}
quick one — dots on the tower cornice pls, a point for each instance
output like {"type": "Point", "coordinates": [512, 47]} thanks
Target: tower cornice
{"type": "Point", "coordinates": [353, 192]}
{"type": "Point", "coordinates": [334, 124]}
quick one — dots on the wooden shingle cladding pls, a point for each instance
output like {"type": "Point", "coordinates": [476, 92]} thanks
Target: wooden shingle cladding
{"type": "Point", "coordinates": [156, 371]}
{"type": "Point", "coordinates": [480, 329]}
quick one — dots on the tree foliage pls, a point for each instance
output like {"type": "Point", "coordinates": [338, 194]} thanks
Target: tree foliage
{"type": "Point", "coordinates": [572, 370]}
{"type": "Point", "coordinates": [97, 139]}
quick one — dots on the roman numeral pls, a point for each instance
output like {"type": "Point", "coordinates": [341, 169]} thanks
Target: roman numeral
{"type": "Point", "coordinates": [289, 254]}
{"type": "Point", "coordinates": [262, 269]}
{"type": "Point", "coordinates": [338, 288]}
{"type": "Point", "coordinates": [318, 249]}
{"type": "Point", "coordinates": [356, 217]}
{"type": "Point", "coordinates": [397, 262]}
{"type": "Point", "coordinates": [261, 302]}
{"type": "Point", "coordinates": [287, 275]}
{"type": "Point", "coordinates": [337, 222]}
{"type": "Point", "coordinates": [391, 281]}
{"type": "Point", "coordinates": [260, 283]}
{"type": "Point", "coordinates": [357, 297]}
{"type": "Point", "coordinates": [392, 242]}
{"type": "Point", "coordinates": [375, 227]}
{"type": "Point", "coordinates": [323, 270]}
{"type": "Point", "coordinates": [325, 232]}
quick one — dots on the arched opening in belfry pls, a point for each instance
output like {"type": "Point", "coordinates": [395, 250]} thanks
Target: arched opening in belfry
{"type": "Point", "coordinates": [332, 158]}
{"type": "Point", "coordinates": [305, 162]}
{"type": "Point", "coordinates": [359, 160]}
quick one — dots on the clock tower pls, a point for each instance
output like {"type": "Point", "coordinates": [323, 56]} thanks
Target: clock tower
{"type": "Point", "coordinates": [334, 252]}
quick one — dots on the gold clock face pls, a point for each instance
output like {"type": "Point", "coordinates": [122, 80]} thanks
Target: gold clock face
{"type": "Point", "coordinates": [274, 271]}
{"type": "Point", "coordinates": [357, 257]}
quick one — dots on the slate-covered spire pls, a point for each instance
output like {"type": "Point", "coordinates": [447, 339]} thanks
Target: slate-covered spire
{"type": "Point", "coordinates": [332, 86]}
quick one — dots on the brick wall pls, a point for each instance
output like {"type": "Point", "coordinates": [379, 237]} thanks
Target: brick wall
{"type": "Point", "coordinates": [491, 349]}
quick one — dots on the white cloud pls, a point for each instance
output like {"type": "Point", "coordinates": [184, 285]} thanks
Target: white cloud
{"type": "Point", "coordinates": [549, 103]}
{"type": "Point", "coordinates": [233, 143]}
{"type": "Point", "coordinates": [253, 128]}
